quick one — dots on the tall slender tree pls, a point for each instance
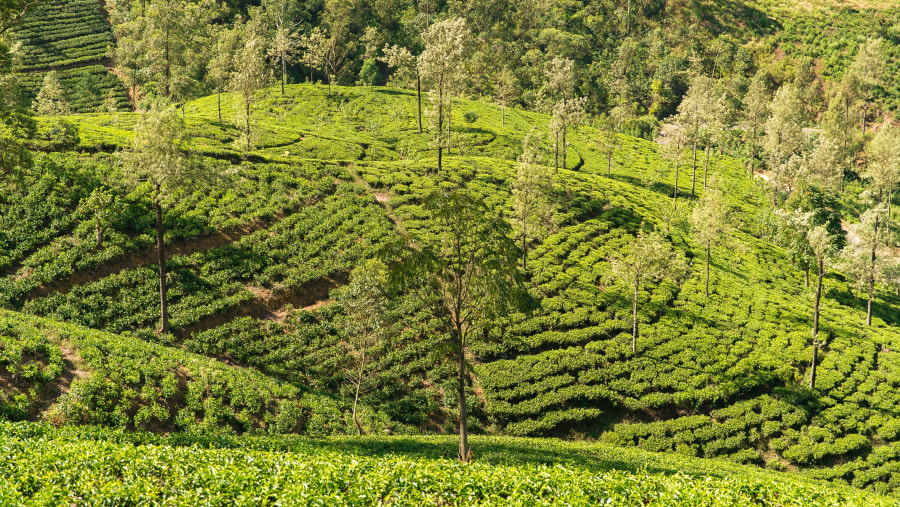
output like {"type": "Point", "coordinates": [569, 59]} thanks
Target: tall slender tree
{"type": "Point", "coordinates": [442, 64]}
{"type": "Point", "coordinates": [532, 213]}
{"type": "Point", "coordinates": [250, 74]}
{"type": "Point", "coordinates": [366, 304]}
{"type": "Point", "coordinates": [709, 220]}
{"type": "Point", "coordinates": [468, 276]}
{"type": "Point", "coordinates": [160, 158]}
{"type": "Point", "coordinates": [648, 258]}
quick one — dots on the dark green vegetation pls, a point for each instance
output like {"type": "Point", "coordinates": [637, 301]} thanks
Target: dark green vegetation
{"type": "Point", "coordinates": [45, 466]}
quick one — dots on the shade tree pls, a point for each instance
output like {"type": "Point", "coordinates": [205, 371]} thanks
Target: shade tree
{"type": "Point", "coordinates": [366, 302]}
{"type": "Point", "coordinates": [159, 158]}
{"type": "Point", "coordinates": [646, 259]}
{"type": "Point", "coordinates": [250, 74]}
{"type": "Point", "coordinates": [533, 216]}
{"type": "Point", "coordinates": [466, 273]}
{"type": "Point", "coordinates": [710, 223]}
{"type": "Point", "coordinates": [442, 64]}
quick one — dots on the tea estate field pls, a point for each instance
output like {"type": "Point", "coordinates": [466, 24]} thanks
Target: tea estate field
{"type": "Point", "coordinates": [257, 262]}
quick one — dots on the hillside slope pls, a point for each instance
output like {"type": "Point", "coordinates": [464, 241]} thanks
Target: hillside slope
{"type": "Point", "coordinates": [67, 374]}
{"type": "Point", "coordinates": [332, 178]}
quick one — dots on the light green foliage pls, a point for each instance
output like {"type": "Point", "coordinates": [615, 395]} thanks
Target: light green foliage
{"type": "Point", "coordinates": [709, 220]}
{"type": "Point", "coordinates": [784, 141]}
{"type": "Point", "coordinates": [533, 217]}
{"type": "Point", "coordinates": [342, 471]}
{"type": "Point", "coordinates": [249, 75]}
{"type": "Point", "coordinates": [51, 100]}
{"type": "Point", "coordinates": [647, 259]}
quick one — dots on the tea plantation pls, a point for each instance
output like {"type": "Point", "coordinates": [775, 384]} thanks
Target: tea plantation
{"type": "Point", "coordinates": [45, 466]}
{"type": "Point", "coordinates": [74, 38]}
{"type": "Point", "coordinates": [256, 267]}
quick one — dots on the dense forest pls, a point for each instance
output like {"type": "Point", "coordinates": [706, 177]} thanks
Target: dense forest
{"type": "Point", "coordinates": [400, 237]}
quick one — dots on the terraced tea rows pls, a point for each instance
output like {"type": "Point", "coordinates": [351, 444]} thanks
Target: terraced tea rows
{"type": "Point", "coordinates": [73, 38]}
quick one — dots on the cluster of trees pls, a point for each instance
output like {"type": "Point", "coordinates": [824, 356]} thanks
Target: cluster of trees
{"type": "Point", "coordinates": [630, 60]}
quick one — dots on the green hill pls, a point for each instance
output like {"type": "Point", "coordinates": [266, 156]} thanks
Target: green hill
{"type": "Point", "coordinates": [254, 259]}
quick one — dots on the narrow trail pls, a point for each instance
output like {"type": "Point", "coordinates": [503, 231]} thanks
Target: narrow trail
{"type": "Point", "coordinates": [147, 256]}
{"type": "Point", "coordinates": [271, 306]}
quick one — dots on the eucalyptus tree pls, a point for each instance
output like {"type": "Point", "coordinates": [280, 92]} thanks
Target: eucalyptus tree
{"type": "Point", "coordinates": [784, 141]}
{"type": "Point", "coordinates": [465, 271]}
{"type": "Point", "coordinates": [366, 302]}
{"type": "Point", "coordinates": [507, 89]}
{"type": "Point", "coordinates": [285, 42]}
{"type": "Point", "coordinates": [646, 259]}
{"type": "Point", "coordinates": [883, 167]}
{"type": "Point", "coordinates": [160, 157]}
{"type": "Point", "coordinates": [314, 44]}
{"type": "Point", "coordinates": [250, 74]}
{"type": "Point", "coordinates": [566, 114]}
{"type": "Point", "coordinates": [709, 220]}
{"type": "Point", "coordinates": [532, 212]}
{"type": "Point", "coordinates": [810, 223]}
{"type": "Point", "coordinates": [699, 110]}
{"type": "Point", "coordinates": [443, 65]}
{"type": "Point", "coordinates": [221, 64]}
{"type": "Point", "coordinates": [756, 110]}
{"type": "Point", "coordinates": [866, 72]}
{"type": "Point", "coordinates": [608, 139]}
{"type": "Point", "coordinates": [864, 257]}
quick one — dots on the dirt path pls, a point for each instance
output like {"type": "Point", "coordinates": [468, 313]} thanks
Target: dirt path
{"type": "Point", "coordinates": [147, 256]}
{"type": "Point", "coordinates": [272, 305]}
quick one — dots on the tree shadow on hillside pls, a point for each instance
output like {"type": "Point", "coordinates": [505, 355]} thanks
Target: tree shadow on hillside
{"type": "Point", "coordinates": [729, 13]}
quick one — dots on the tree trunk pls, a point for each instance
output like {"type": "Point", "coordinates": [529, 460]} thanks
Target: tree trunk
{"type": "Point", "coordinates": [359, 428]}
{"type": "Point", "coordinates": [634, 323]}
{"type": "Point", "coordinates": [419, 97]}
{"type": "Point", "coordinates": [707, 270]}
{"type": "Point", "coordinates": [283, 72]}
{"type": "Point", "coordinates": [247, 113]}
{"type": "Point", "coordinates": [166, 69]}
{"type": "Point", "coordinates": [161, 258]}
{"type": "Point", "coordinates": [872, 277]}
{"type": "Point", "coordinates": [98, 233]}
{"type": "Point", "coordinates": [815, 330]}
{"type": "Point", "coordinates": [219, 101]}
{"type": "Point", "coordinates": [806, 278]}
{"type": "Point", "coordinates": [463, 413]}
{"type": "Point", "coordinates": [706, 167]}
{"type": "Point", "coordinates": [675, 193]}
{"type": "Point", "coordinates": [694, 169]}
{"type": "Point", "coordinates": [565, 148]}
{"type": "Point", "coordinates": [449, 117]}
{"type": "Point", "coordinates": [888, 224]}
{"type": "Point", "coordinates": [440, 130]}
{"type": "Point", "coordinates": [524, 243]}
{"type": "Point", "coordinates": [812, 368]}
{"type": "Point", "coordinates": [556, 154]}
